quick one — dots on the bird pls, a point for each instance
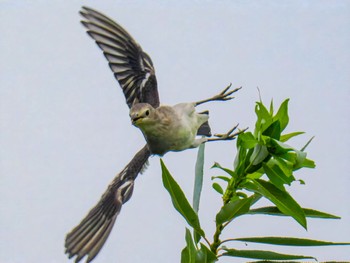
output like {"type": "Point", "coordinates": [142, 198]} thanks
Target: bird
{"type": "Point", "coordinates": [165, 128]}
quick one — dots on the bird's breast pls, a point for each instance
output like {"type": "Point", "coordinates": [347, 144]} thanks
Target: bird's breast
{"type": "Point", "coordinates": [171, 137]}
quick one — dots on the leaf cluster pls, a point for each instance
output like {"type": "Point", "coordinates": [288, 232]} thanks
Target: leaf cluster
{"type": "Point", "coordinates": [263, 168]}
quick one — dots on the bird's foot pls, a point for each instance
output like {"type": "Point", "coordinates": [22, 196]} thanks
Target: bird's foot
{"type": "Point", "coordinates": [222, 96]}
{"type": "Point", "coordinates": [227, 136]}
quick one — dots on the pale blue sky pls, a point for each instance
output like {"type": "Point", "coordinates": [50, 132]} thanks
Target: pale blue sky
{"type": "Point", "coordinates": [65, 130]}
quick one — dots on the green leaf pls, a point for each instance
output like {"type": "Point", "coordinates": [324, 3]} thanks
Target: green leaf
{"type": "Point", "coordinates": [198, 181]}
{"type": "Point", "coordinates": [301, 157]}
{"type": "Point", "coordinates": [230, 172]}
{"type": "Point", "coordinates": [218, 188]}
{"type": "Point", "coordinates": [272, 210]}
{"type": "Point", "coordinates": [224, 178]}
{"type": "Point", "coordinates": [259, 154]}
{"type": "Point", "coordinates": [296, 157]}
{"type": "Point", "coordinates": [241, 194]}
{"type": "Point", "coordinates": [284, 165]}
{"type": "Point", "coordinates": [286, 137]}
{"type": "Point", "coordinates": [307, 144]}
{"type": "Point", "coordinates": [277, 176]}
{"type": "Point", "coordinates": [255, 175]}
{"type": "Point", "coordinates": [298, 160]}
{"type": "Point", "coordinates": [308, 163]}
{"type": "Point", "coordinates": [274, 130]}
{"type": "Point", "coordinates": [247, 140]}
{"type": "Point", "coordinates": [204, 255]}
{"type": "Point", "coordinates": [179, 200]}
{"type": "Point", "coordinates": [262, 254]}
{"type": "Point", "coordinates": [185, 255]}
{"type": "Point", "coordinates": [256, 197]}
{"type": "Point", "coordinates": [281, 199]}
{"type": "Point", "coordinates": [289, 156]}
{"type": "Point", "coordinates": [278, 148]}
{"type": "Point", "coordinates": [301, 181]}
{"type": "Point", "coordinates": [289, 241]}
{"type": "Point", "coordinates": [264, 118]}
{"type": "Point", "coordinates": [233, 209]}
{"type": "Point", "coordinates": [271, 107]}
{"type": "Point", "coordinates": [188, 254]}
{"type": "Point", "coordinates": [282, 115]}
{"type": "Point", "coordinates": [239, 162]}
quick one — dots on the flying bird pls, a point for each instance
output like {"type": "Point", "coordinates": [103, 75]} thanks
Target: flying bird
{"type": "Point", "coordinates": [165, 128]}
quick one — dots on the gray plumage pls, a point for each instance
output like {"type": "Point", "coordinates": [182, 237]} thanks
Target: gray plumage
{"type": "Point", "coordinates": [134, 71]}
{"type": "Point", "coordinates": [132, 67]}
{"type": "Point", "coordinates": [87, 238]}
{"type": "Point", "coordinates": [169, 128]}
{"type": "Point", "coordinates": [165, 128]}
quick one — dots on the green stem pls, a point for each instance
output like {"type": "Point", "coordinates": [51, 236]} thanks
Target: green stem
{"type": "Point", "coordinates": [227, 240]}
{"type": "Point", "coordinates": [207, 241]}
{"type": "Point", "coordinates": [216, 243]}
{"type": "Point", "coordinates": [229, 193]}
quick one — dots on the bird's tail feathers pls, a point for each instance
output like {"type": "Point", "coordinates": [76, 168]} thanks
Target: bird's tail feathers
{"type": "Point", "coordinates": [144, 167]}
{"type": "Point", "coordinates": [88, 237]}
{"type": "Point", "coordinates": [204, 129]}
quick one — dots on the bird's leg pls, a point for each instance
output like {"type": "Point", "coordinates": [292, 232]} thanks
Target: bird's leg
{"type": "Point", "coordinates": [227, 136]}
{"type": "Point", "coordinates": [224, 95]}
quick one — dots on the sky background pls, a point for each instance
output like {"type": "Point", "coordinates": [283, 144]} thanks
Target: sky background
{"type": "Point", "coordinates": [65, 130]}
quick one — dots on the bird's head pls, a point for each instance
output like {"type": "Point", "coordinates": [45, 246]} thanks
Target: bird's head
{"type": "Point", "coordinates": [142, 114]}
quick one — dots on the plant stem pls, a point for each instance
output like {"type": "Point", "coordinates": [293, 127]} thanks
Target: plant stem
{"type": "Point", "coordinates": [216, 243]}
{"type": "Point", "coordinates": [206, 240]}
{"type": "Point", "coordinates": [229, 193]}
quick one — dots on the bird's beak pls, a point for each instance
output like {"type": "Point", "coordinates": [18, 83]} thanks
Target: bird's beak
{"type": "Point", "coordinates": [134, 118]}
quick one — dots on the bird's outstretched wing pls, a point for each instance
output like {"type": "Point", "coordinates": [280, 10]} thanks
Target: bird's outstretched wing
{"type": "Point", "coordinates": [87, 238]}
{"type": "Point", "coordinates": [132, 67]}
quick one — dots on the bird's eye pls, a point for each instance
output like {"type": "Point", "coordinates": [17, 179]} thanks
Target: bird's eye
{"type": "Point", "coordinates": [147, 112]}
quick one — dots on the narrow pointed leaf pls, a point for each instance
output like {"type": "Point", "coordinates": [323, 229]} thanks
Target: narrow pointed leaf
{"type": "Point", "coordinates": [286, 137]}
{"type": "Point", "coordinates": [198, 181]}
{"type": "Point", "coordinates": [233, 209]}
{"type": "Point", "coordinates": [289, 241]}
{"type": "Point", "coordinates": [262, 254]}
{"type": "Point", "coordinates": [224, 178]}
{"type": "Point", "coordinates": [281, 199]}
{"type": "Point", "coordinates": [276, 176]}
{"type": "Point", "coordinates": [307, 144]}
{"type": "Point", "coordinates": [179, 200]}
{"type": "Point", "coordinates": [230, 172]}
{"type": "Point", "coordinates": [264, 118]}
{"type": "Point", "coordinates": [204, 255]}
{"type": "Point", "coordinates": [271, 107]}
{"type": "Point", "coordinates": [272, 210]}
{"type": "Point", "coordinates": [282, 115]}
{"type": "Point", "coordinates": [198, 184]}
{"type": "Point", "coordinates": [188, 254]}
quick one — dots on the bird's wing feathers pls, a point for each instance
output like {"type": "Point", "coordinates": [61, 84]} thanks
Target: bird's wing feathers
{"type": "Point", "coordinates": [132, 67]}
{"type": "Point", "coordinates": [87, 238]}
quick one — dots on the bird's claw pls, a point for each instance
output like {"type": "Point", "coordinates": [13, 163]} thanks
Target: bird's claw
{"type": "Point", "coordinates": [222, 96]}
{"type": "Point", "coordinates": [225, 94]}
{"type": "Point", "coordinates": [229, 135]}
